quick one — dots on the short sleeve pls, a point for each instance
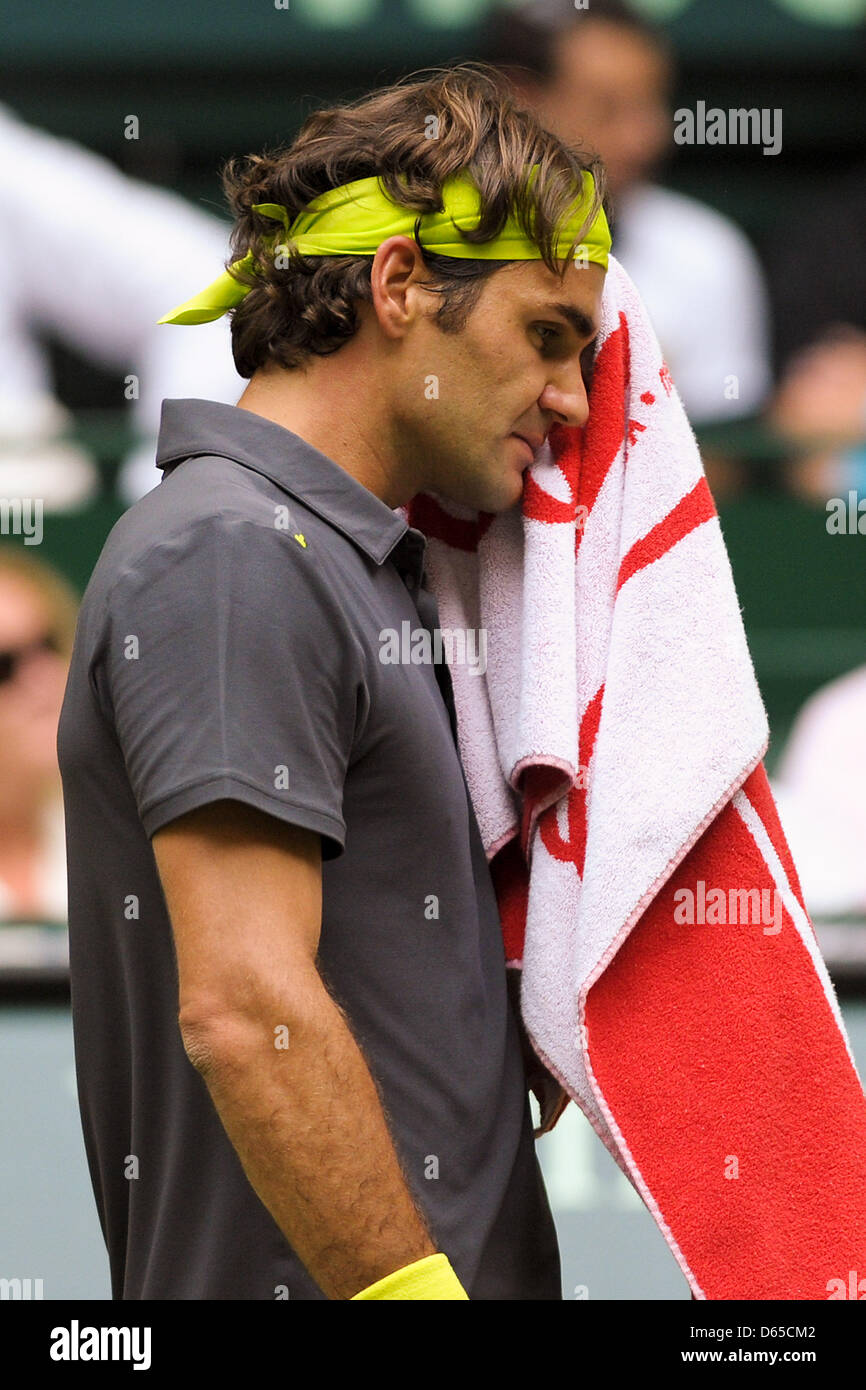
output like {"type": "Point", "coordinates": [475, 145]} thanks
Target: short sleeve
{"type": "Point", "coordinates": [230, 670]}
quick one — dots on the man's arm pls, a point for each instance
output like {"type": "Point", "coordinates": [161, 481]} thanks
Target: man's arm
{"type": "Point", "coordinates": [288, 1080]}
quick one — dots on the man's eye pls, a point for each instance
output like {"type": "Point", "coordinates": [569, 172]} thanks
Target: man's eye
{"type": "Point", "coordinates": [546, 328]}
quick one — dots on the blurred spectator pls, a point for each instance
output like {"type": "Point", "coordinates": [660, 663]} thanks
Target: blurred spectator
{"type": "Point", "coordinates": [820, 407]}
{"type": "Point", "coordinates": [94, 258]}
{"type": "Point", "coordinates": [37, 626]}
{"type": "Point", "coordinates": [603, 78]}
{"type": "Point", "coordinates": [820, 787]}
{"type": "Point", "coordinates": [819, 313]}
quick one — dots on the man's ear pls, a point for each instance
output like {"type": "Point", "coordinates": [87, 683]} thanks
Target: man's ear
{"type": "Point", "coordinates": [397, 268]}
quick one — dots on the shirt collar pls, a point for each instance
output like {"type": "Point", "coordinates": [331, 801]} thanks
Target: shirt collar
{"type": "Point", "coordinates": [200, 427]}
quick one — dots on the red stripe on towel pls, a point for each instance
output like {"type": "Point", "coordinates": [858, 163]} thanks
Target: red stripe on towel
{"type": "Point", "coordinates": [426, 515]}
{"type": "Point", "coordinates": [541, 505]}
{"type": "Point", "coordinates": [511, 884]}
{"type": "Point", "coordinates": [757, 788]}
{"type": "Point", "coordinates": [692, 510]}
{"type": "Point", "coordinates": [539, 785]}
{"type": "Point", "coordinates": [717, 1053]}
{"type": "Point", "coordinates": [574, 848]}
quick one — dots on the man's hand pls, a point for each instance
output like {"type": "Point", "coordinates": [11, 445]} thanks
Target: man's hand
{"type": "Point", "coordinates": [293, 1091]}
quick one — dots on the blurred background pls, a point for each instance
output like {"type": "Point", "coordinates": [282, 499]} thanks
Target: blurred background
{"type": "Point", "coordinates": [746, 235]}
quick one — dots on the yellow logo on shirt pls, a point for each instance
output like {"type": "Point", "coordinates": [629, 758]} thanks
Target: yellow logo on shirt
{"type": "Point", "coordinates": [299, 538]}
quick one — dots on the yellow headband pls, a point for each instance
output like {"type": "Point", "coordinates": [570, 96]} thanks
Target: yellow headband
{"type": "Point", "coordinates": [356, 218]}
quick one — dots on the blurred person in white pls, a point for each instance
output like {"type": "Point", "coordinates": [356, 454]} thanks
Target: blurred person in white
{"type": "Point", "coordinates": [602, 78]}
{"type": "Point", "coordinates": [87, 255]}
{"type": "Point", "coordinates": [820, 406]}
{"type": "Point", "coordinates": [38, 611]}
{"type": "Point", "coordinates": [820, 789]}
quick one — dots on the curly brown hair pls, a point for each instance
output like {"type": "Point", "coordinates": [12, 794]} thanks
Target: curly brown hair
{"type": "Point", "coordinates": [300, 304]}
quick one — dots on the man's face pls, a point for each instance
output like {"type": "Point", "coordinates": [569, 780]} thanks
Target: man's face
{"type": "Point", "coordinates": [515, 369]}
{"type": "Point", "coordinates": [609, 93]}
{"type": "Point", "coordinates": [31, 693]}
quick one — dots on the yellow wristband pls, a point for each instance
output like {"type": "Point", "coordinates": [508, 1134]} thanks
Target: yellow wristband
{"type": "Point", "coordinates": [430, 1278]}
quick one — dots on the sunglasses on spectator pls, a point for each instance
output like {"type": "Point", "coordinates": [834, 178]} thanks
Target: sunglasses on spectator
{"type": "Point", "coordinates": [12, 657]}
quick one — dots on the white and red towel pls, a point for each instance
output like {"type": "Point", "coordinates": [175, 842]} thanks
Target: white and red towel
{"type": "Point", "coordinates": [613, 750]}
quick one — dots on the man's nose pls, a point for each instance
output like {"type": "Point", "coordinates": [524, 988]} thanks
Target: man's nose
{"type": "Point", "coordinates": [567, 401]}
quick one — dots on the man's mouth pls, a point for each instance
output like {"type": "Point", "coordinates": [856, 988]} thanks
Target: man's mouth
{"type": "Point", "coordinates": [534, 441]}
{"type": "Point", "coordinates": [531, 451]}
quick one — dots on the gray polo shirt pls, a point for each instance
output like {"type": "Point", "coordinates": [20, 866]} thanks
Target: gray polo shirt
{"type": "Point", "coordinates": [230, 645]}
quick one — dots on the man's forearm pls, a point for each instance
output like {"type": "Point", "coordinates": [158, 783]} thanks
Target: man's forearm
{"type": "Point", "coordinates": [297, 1100]}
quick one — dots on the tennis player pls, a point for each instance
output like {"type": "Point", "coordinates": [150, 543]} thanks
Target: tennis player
{"type": "Point", "coordinates": [300, 1070]}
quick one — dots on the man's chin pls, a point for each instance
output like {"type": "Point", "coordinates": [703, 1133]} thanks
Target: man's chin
{"type": "Point", "coordinates": [494, 504]}
{"type": "Point", "coordinates": [511, 493]}
{"type": "Point", "coordinates": [492, 498]}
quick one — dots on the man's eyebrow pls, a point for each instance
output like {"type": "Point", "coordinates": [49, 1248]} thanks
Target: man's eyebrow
{"type": "Point", "coordinates": [583, 325]}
